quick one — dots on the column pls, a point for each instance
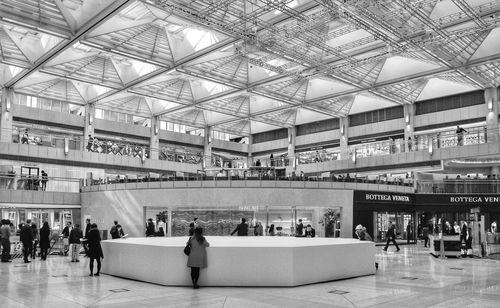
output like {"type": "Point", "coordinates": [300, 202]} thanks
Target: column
{"type": "Point", "coordinates": [207, 148]}
{"type": "Point", "coordinates": [292, 160]}
{"type": "Point", "coordinates": [154, 141]}
{"type": "Point", "coordinates": [409, 115]}
{"type": "Point", "coordinates": [7, 101]}
{"type": "Point", "coordinates": [250, 146]}
{"type": "Point", "coordinates": [88, 128]}
{"type": "Point", "coordinates": [344, 138]}
{"type": "Point", "coordinates": [491, 97]}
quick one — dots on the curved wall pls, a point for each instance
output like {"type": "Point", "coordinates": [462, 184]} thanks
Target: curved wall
{"type": "Point", "coordinates": [127, 206]}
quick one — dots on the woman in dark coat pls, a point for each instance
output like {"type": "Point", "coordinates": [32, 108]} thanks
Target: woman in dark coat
{"type": "Point", "coordinates": [198, 257]}
{"type": "Point", "coordinates": [95, 250]}
{"type": "Point", "coordinates": [44, 240]}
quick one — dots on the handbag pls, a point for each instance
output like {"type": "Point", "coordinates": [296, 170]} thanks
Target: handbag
{"type": "Point", "coordinates": [187, 249]}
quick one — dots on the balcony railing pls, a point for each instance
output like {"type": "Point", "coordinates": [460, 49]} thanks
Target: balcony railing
{"type": "Point", "coordinates": [466, 186]}
{"type": "Point", "coordinates": [34, 183]}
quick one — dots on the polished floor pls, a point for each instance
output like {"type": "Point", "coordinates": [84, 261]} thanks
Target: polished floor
{"type": "Point", "coordinates": [409, 278]}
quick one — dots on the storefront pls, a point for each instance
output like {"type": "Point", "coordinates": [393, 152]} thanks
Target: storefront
{"type": "Point", "coordinates": [374, 210]}
{"type": "Point", "coordinates": [222, 221]}
{"type": "Point", "coordinates": [57, 217]}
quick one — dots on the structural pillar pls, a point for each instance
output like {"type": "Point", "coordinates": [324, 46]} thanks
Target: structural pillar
{"type": "Point", "coordinates": [154, 141]}
{"type": "Point", "coordinates": [7, 103]}
{"type": "Point", "coordinates": [409, 117]}
{"type": "Point", "coordinates": [207, 148]}
{"type": "Point", "coordinates": [292, 159]}
{"type": "Point", "coordinates": [344, 138]}
{"type": "Point", "coordinates": [491, 97]}
{"type": "Point", "coordinates": [250, 148]}
{"type": "Point", "coordinates": [88, 128]}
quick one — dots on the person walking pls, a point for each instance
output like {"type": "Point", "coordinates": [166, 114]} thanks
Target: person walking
{"type": "Point", "coordinates": [425, 235]}
{"type": "Point", "coordinates": [65, 234]}
{"type": "Point", "coordinates": [74, 240]}
{"type": "Point", "coordinates": [198, 256]}
{"type": "Point", "coordinates": [241, 228]}
{"type": "Point", "coordinates": [5, 238]}
{"type": "Point", "coordinates": [95, 249]}
{"type": "Point", "coordinates": [26, 237]}
{"type": "Point", "coordinates": [391, 236]}
{"type": "Point", "coordinates": [44, 240]}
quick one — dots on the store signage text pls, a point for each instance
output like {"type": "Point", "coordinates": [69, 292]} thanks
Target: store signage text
{"type": "Point", "coordinates": [377, 197]}
{"type": "Point", "coordinates": [474, 199]}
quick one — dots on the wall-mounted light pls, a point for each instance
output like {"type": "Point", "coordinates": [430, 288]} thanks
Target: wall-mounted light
{"type": "Point", "coordinates": [156, 129]}
{"type": "Point", "coordinates": [354, 157]}
{"type": "Point", "coordinates": [431, 149]}
{"type": "Point", "coordinates": [490, 104]}
{"type": "Point", "coordinates": [7, 105]}
{"type": "Point", "coordinates": [143, 155]}
{"type": "Point", "coordinates": [289, 138]}
{"type": "Point", "coordinates": [407, 119]}
{"type": "Point", "coordinates": [91, 119]}
{"type": "Point", "coordinates": [342, 130]}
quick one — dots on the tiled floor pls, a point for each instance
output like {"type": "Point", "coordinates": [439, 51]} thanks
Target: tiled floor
{"type": "Point", "coordinates": [409, 278]}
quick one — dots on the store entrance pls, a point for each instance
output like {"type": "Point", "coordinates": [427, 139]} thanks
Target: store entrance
{"type": "Point", "coordinates": [404, 222]}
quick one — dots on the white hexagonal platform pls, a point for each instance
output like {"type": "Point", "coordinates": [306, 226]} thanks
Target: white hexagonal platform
{"type": "Point", "coordinates": [241, 261]}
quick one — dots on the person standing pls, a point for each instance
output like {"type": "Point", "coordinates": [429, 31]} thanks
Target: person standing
{"type": "Point", "coordinates": [259, 229]}
{"type": "Point", "coordinates": [95, 249]}
{"type": "Point", "coordinates": [45, 179]}
{"type": "Point", "coordinates": [425, 235]}
{"type": "Point", "coordinates": [5, 238]}
{"type": "Point", "coordinates": [26, 237]}
{"type": "Point", "coordinates": [460, 135]}
{"type": "Point", "coordinates": [90, 143]}
{"type": "Point", "coordinates": [36, 239]}
{"type": "Point", "coordinates": [241, 229]}
{"type": "Point", "coordinates": [116, 230]}
{"type": "Point", "coordinates": [410, 144]}
{"type": "Point", "coordinates": [44, 240]}
{"type": "Point", "coordinates": [150, 228]}
{"type": "Point", "coordinates": [198, 256]}
{"type": "Point", "coordinates": [299, 229]}
{"type": "Point", "coordinates": [162, 228]}
{"type": "Point", "coordinates": [193, 226]}
{"type": "Point", "coordinates": [65, 234]}
{"type": "Point", "coordinates": [391, 236]}
{"type": "Point", "coordinates": [87, 230]}
{"type": "Point", "coordinates": [271, 231]}
{"type": "Point", "coordinates": [74, 240]}
{"type": "Point", "coordinates": [409, 232]}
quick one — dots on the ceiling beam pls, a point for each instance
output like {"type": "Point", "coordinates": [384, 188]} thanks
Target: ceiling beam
{"type": "Point", "coordinates": [93, 23]}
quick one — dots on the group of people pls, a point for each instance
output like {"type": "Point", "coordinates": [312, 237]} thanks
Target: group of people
{"type": "Point", "coordinates": [31, 236]}
{"type": "Point", "coordinates": [160, 229]}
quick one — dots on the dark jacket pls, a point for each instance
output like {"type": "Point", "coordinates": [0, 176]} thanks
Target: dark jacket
{"type": "Point", "coordinates": [66, 231]}
{"type": "Point", "coordinates": [44, 238]}
{"type": "Point", "coordinates": [26, 235]}
{"type": "Point", "coordinates": [87, 229]}
{"type": "Point", "coordinates": [300, 229]}
{"type": "Point", "coordinates": [75, 236]}
{"type": "Point", "coordinates": [242, 229]}
{"type": "Point", "coordinates": [311, 233]}
{"type": "Point", "coordinates": [94, 242]}
{"type": "Point", "coordinates": [391, 233]}
{"type": "Point", "coordinates": [150, 229]}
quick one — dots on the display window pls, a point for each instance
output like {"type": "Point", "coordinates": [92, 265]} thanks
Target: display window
{"type": "Point", "coordinates": [401, 220]}
{"type": "Point", "coordinates": [55, 217]}
{"type": "Point", "coordinates": [222, 221]}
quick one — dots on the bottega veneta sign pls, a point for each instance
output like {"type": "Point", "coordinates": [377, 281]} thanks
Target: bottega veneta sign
{"type": "Point", "coordinates": [381, 197]}
{"type": "Point", "coordinates": [474, 199]}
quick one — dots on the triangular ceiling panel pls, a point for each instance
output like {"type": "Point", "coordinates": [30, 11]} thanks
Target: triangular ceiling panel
{"type": "Point", "coordinates": [308, 116]}
{"type": "Point", "coordinates": [10, 51]}
{"type": "Point", "coordinates": [368, 102]}
{"type": "Point", "coordinates": [239, 127]}
{"type": "Point", "coordinates": [289, 89]}
{"type": "Point", "coordinates": [237, 105]}
{"type": "Point", "coordinates": [319, 87]}
{"type": "Point", "coordinates": [131, 104]}
{"type": "Point", "coordinates": [176, 89]}
{"type": "Point", "coordinates": [438, 88]}
{"type": "Point", "coordinates": [397, 67]}
{"type": "Point", "coordinates": [57, 88]}
{"type": "Point", "coordinates": [490, 46]}
{"type": "Point", "coordinates": [212, 117]}
{"type": "Point", "coordinates": [259, 127]}
{"type": "Point", "coordinates": [338, 106]}
{"type": "Point", "coordinates": [7, 72]}
{"type": "Point", "coordinates": [202, 88]}
{"type": "Point", "coordinates": [280, 118]}
{"type": "Point", "coordinates": [192, 117]}
{"type": "Point", "coordinates": [260, 104]}
{"type": "Point", "coordinates": [407, 91]}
